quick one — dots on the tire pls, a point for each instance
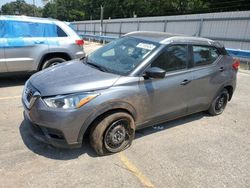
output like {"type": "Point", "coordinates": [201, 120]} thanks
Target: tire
{"type": "Point", "coordinates": [219, 103]}
{"type": "Point", "coordinates": [113, 133]}
{"type": "Point", "coordinates": [52, 62]}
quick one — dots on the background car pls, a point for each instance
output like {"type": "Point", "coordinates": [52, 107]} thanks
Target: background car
{"type": "Point", "coordinates": [30, 44]}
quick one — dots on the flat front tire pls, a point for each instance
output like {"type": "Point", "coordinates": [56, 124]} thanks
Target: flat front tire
{"type": "Point", "coordinates": [113, 133]}
{"type": "Point", "coordinates": [219, 103]}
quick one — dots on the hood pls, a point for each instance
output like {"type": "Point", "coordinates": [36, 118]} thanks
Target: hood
{"type": "Point", "coordinates": [71, 77]}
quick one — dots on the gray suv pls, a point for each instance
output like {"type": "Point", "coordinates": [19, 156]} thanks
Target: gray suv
{"type": "Point", "coordinates": [30, 44]}
{"type": "Point", "coordinates": [139, 80]}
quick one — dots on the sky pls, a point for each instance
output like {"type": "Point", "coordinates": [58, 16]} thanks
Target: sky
{"type": "Point", "coordinates": [37, 2]}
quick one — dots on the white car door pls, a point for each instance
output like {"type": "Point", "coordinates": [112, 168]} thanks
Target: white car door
{"type": "Point", "coordinates": [3, 67]}
{"type": "Point", "coordinates": [25, 45]}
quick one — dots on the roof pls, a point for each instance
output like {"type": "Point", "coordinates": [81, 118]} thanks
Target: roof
{"type": "Point", "coordinates": [166, 38]}
{"type": "Point", "coordinates": [27, 18]}
{"type": "Point", "coordinates": [151, 35]}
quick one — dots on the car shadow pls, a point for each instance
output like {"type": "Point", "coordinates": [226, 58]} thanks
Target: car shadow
{"type": "Point", "coordinates": [49, 151]}
{"type": "Point", "coordinates": [14, 80]}
{"type": "Point", "coordinates": [68, 154]}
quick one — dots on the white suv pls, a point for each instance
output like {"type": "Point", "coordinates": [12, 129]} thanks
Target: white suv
{"type": "Point", "coordinates": [30, 44]}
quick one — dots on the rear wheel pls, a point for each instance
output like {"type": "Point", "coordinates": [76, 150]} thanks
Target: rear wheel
{"type": "Point", "coordinates": [219, 103]}
{"type": "Point", "coordinates": [52, 62]}
{"type": "Point", "coordinates": [113, 133]}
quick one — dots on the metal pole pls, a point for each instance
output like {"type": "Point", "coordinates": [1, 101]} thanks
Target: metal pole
{"type": "Point", "coordinates": [101, 18]}
{"type": "Point", "coordinates": [91, 26]}
{"type": "Point", "coordinates": [138, 25]}
{"type": "Point", "coordinates": [105, 30]}
{"type": "Point", "coordinates": [120, 29]}
{"type": "Point", "coordinates": [165, 26]}
{"type": "Point", "coordinates": [200, 27]}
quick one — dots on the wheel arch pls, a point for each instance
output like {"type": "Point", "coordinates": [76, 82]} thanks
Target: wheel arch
{"type": "Point", "coordinates": [105, 110]}
{"type": "Point", "coordinates": [230, 90]}
{"type": "Point", "coordinates": [47, 56]}
{"type": "Point", "coordinates": [229, 87]}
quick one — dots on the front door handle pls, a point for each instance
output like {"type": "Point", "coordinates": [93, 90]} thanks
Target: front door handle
{"type": "Point", "coordinates": [185, 82]}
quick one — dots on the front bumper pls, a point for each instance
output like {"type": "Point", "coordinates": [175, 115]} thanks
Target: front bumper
{"type": "Point", "coordinates": [60, 128]}
{"type": "Point", "coordinates": [49, 136]}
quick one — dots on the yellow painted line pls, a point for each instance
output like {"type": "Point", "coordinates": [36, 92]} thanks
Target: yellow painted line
{"type": "Point", "coordinates": [13, 97]}
{"type": "Point", "coordinates": [132, 168]}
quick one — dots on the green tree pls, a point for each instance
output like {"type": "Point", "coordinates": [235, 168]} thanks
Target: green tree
{"type": "Point", "coordinates": [67, 10]}
{"type": "Point", "coordinates": [225, 5]}
{"type": "Point", "coordinates": [20, 7]}
{"type": "Point", "coordinates": [50, 10]}
{"type": "Point", "coordinates": [74, 10]}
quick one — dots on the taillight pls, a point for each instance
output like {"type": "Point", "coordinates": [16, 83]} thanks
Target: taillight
{"type": "Point", "coordinates": [80, 42]}
{"type": "Point", "coordinates": [236, 64]}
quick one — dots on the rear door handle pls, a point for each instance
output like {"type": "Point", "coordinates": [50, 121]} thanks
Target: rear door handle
{"type": "Point", "coordinates": [185, 82]}
{"type": "Point", "coordinates": [222, 69]}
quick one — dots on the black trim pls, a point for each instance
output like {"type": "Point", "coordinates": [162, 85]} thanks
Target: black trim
{"type": "Point", "coordinates": [223, 51]}
{"type": "Point", "coordinates": [190, 56]}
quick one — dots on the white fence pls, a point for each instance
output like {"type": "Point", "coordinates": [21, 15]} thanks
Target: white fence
{"type": "Point", "coordinates": [230, 28]}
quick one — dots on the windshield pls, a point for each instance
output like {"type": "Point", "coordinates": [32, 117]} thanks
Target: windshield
{"type": "Point", "coordinates": [123, 55]}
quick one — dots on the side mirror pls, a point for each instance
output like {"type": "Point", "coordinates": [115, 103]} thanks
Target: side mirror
{"type": "Point", "coordinates": [155, 72]}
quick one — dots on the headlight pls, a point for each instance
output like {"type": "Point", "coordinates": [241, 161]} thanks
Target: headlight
{"type": "Point", "coordinates": [69, 101]}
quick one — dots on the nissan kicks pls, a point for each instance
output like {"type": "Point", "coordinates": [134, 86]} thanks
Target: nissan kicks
{"type": "Point", "coordinates": [139, 80]}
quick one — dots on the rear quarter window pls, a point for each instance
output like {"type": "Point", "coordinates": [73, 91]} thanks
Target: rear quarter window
{"type": "Point", "coordinates": [53, 30]}
{"type": "Point", "coordinates": [60, 32]}
{"type": "Point", "coordinates": [204, 55]}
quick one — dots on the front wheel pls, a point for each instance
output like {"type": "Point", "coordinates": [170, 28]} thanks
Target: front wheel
{"type": "Point", "coordinates": [219, 103]}
{"type": "Point", "coordinates": [113, 133]}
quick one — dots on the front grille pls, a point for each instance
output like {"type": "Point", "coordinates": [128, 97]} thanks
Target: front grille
{"type": "Point", "coordinates": [29, 92]}
{"type": "Point", "coordinates": [28, 95]}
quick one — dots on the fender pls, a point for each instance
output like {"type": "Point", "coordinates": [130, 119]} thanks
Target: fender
{"type": "Point", "coordinates": [102, 109]}
{"type": "Point", "coordinates": [221, 88]}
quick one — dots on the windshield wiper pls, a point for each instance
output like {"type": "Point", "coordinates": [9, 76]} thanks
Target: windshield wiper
{"type": "Point", "coordinates": [101, 68]}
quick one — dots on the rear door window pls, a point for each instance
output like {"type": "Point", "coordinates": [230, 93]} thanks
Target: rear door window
{"type": "Point", "coordinates": [16, 29]}
{"type": "Point", "coordinates": [2, 28]}
{"type": "Point", "coordinates": [204, 55]}
{"type": "Point", "coordinates": [172, 59]}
